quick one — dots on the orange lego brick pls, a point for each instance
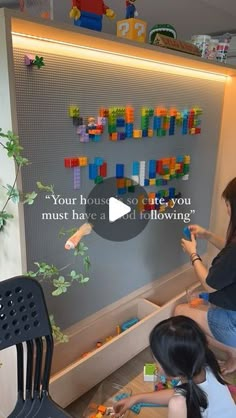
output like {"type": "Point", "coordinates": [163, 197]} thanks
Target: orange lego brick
{"type": "Point", "coordinates": [102, 409]}
{"type": "Point", "coordinates": [196, 302]}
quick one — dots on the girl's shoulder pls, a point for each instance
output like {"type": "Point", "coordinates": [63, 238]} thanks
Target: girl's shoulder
{"type": "Point", "coordinates": [177, 403]}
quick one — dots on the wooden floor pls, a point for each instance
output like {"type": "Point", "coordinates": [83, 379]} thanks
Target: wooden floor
{"type": "Point", "coordinates": [130, 375]}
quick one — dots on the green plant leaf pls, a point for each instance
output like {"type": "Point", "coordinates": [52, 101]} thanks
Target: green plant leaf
{"type": "Point", "coordinates": [67, 232]}
{"type": "Point", "coordinates": [57, 333]}
{"type": "Point", "coordinates": [13, 193]}
{"type": "Point", "coordinates": [84, 280]}
{"type": "Point", "coordinates": [80, 249]}
{"type": "Point", "coordinates": [57, 292]}
{"type": "Point", "coordinates": [45, 188]}
{"type": "Point", "coordinates": [30, 198]}
{"type": "Point", "coordinates": [31, 274]}
{"type": "Point", "coordinates": [87, 264]}
{"type": "Point", "coordinates": [75, 276]}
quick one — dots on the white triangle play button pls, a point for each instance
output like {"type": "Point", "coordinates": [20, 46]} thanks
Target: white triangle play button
{"type": "Point", "coordinates": [117, 209]}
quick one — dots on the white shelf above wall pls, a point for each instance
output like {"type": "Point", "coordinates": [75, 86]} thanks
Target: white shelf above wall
{"type": "Point", "coordinates": [78, 37]}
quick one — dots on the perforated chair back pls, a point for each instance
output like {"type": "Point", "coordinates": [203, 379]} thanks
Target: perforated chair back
{"type": "Point", "coordinates": [24, 318]}
{"type": "Point", "coordinates": [23, 312]}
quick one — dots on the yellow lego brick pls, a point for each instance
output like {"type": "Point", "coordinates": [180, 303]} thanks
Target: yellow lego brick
{"type": "Point", "coordinates": [83, 161]}
{"type": "Point", "coordinates": [99, 415]}
{"type": "Point", "coordinates": [152, 182]}
{"type": "Point", "coordinates": [134, 29]}
{"type": "Point", "coordinates": [128, 182]}
{"type": "Point", "coordinates": [137, 133]}
{"type": "Point", "coordinates": [166, 177]}
{"type": "Point", "coordinates": [162, 208]}
{"type": "Point", "coordinates": [150, 133]}
{"type": "Point", "coordinates": [74, 111]}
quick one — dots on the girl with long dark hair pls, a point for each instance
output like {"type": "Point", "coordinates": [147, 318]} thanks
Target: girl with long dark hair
{"type": "Point", "coordinates": [181, 350]}
{"type": "Point", "coordinates": [218, 321]}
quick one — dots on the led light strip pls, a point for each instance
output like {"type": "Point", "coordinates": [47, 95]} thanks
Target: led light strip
{"type": "Point", "coordinates": [23, 41]}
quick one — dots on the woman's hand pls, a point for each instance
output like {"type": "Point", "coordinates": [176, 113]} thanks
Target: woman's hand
{"type": "Point", "coordinates": [189, 247]}
{"type": "Point", "coordinates": [121, 406]}
{"type": "Point", "coordinates": [198, 231]}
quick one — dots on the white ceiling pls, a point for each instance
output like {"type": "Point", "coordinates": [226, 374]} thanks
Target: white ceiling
{"type": "Point", "coordinates": [187, 16]}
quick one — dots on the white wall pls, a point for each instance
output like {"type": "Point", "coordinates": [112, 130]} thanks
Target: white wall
{"type": "Point", "coordinates": [226, 168]}
{"type": "Point", "coordinates": [10, 243]}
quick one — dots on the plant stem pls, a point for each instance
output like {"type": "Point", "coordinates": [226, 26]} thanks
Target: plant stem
{"type": "Point", "coordinates": [13, 186]}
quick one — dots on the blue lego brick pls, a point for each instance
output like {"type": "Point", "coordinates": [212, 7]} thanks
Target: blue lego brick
{"type": "Point", "coordinates": [98, 161]}
{"type": "Point", "coordinates": [121, 190]}
{"type": "Point", "coordinates": [129, 324]}
{"type": "Point", "coordinates": [152, 169]}
{"type": "Point", "coordinates": [204, 296]}
{"type": "Point", "coordinates": [179, 159]}
{"type": "Point", "coordinates": [137, 407]}
{"type": "Point", "coordinates": [146, 182]}
{"type": "Point", "coordinates": [97, 138]}
{"type": "Point", "coordinates": [120, 136]}
{"type": "Point", "coordinates": [152, 175]}
{"type": "Point", "coordinates": [129, 129]}
{"type": "Point", "coordinates": [120, 168]}
{"type": "Point", "coordinates": [120, 122]}
{"type": "Point", "coordinates": [172, 125]}
{"type": "Point", "coordinates": [187, 233]}
{"type": "Point", "coordinates": [157, 122]}
{"type": "Point", "coordinates": [144, 133]}
{"type": "Point", "coordinates": [171, 192]}
{"type": "Point", "coordinates": [135, 169]}
{"type": "Point", "coordinates": [93, 171]}
{"type": "Point", "coordinates": [152, 165]}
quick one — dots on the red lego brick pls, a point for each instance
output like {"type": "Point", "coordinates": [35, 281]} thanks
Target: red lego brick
{"type": "Point", "coordinates": [103, 170]}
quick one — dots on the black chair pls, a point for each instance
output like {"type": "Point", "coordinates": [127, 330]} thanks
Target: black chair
{"type": "Point", "coordinates": [24, 320]}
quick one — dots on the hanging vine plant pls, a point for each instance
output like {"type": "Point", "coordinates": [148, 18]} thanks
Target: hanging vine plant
{"type": "Point", "coordinates": [44, 272]}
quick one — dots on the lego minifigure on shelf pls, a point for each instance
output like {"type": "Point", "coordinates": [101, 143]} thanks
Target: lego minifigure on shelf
{"type": "Point", "coordinates": [131, 11]}
{"type": "Point", "coordinates": [89, 13]}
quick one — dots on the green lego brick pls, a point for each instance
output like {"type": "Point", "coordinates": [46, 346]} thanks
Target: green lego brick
{"type": "Point", "coordinates": [98, 180]}
{"type": "Point", "coordinates": [131, 189]}
{"type": "Point", "coordinates": [149, 369]}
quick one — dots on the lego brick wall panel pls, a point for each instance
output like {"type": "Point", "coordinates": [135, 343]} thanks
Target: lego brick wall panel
{"type": "Point", "coordinates": [48, 135]}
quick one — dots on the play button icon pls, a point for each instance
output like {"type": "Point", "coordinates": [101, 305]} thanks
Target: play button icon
{"type": "Point", "coordinates": [117, 209]}
{"type": "Point", "coordinates": [115, 213]}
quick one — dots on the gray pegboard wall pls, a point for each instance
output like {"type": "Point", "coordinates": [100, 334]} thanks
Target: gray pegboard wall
{"type": "Point", "coordinates": [48, 135]}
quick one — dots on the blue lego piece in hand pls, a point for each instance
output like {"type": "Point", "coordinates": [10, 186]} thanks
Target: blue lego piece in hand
{"type": "Point", "coordinates": [187, 233]}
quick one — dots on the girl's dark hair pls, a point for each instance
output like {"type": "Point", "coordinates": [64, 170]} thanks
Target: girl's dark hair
{"type": "Point", "coordinates": [181, 348]}
{"type": "Point", "coordinates": [229, 195]}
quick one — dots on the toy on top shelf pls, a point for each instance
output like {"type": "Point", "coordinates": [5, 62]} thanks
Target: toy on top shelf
{"type": "Point", "coordinates": [89, 13]}
{"type": "Point", "coordinates": [133, 29]}
{"type": "Point", "coordinates": [164, 35]}
{"type": "Point", "coordinates": [131, 11]}
{"type": "Point", "coordinates": [162, 29]}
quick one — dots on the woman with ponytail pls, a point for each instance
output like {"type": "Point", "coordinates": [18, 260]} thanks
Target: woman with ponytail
{"type": "Point", "coordinates": [181, 350]}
